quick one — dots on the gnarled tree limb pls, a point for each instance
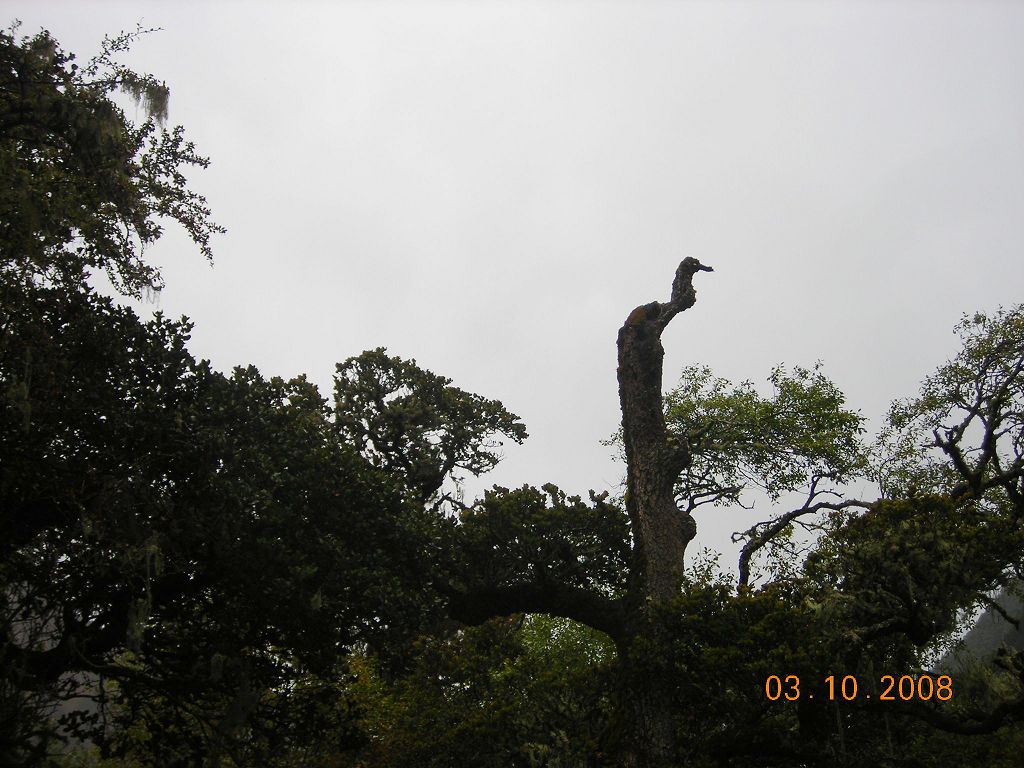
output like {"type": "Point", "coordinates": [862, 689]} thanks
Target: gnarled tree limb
{"type": "Point", "coordinates": [476, 606]}
{"type": "Point", "coordinates": [660, 531]}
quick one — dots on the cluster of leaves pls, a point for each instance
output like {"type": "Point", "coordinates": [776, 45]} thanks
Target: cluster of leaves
{"type": "Point", "coordinates": [542, 535]}
{"type": "Point", "coordinates": [911, 565]}
{"type": "Point", "coordinates": [718, 648]}
{"type": "Point", "coordinates": [200, 538]}
{"type": "Point", "coordinates": [413, 423]}
{"type": "Point", "coordinates": [84, 187]}
{"type": "Point", "coordinates": [522, 691]}
{"type": "Point", "coordinates": [778, 444]}
{"type": "Point", "coordinates": [964, 433]}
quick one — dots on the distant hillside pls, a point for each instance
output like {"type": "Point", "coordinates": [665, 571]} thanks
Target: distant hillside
{"type": "Point", "coordinates": [992, 630]}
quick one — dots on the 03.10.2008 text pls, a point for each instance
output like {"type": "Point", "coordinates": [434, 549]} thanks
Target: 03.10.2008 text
{"type": "Point", "coordinates": [921, 687]}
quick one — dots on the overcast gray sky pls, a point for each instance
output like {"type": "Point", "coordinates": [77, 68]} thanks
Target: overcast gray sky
{"type": "Point", "coordinates": [491, 187]}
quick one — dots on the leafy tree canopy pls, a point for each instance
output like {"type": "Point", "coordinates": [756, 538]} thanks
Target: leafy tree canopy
{"type": "Point", "coordinates": [413, 423]}
{"type": "Point", "coordinates": [778, 444]}
{"type": "Point", "coordinates": [85, 188]}
{"type": "Point", "coordinates": [233, 571]}
{"type": "Point", "coordinates": [962, 435]}
{"type": "Point", "coordinates": [198, 538]}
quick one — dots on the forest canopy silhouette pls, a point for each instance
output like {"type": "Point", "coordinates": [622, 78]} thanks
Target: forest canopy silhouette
{"type": "Point", "coordinates": [219, 568]}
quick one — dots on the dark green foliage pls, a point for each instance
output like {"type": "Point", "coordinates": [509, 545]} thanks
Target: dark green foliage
{"type": "Point", "coordinates": [544, 535]}
{"type": "Point", "coordinates": [909, 565]}
{"type": "Point", "coordinates": [84, 188]}
{"type": "Point", "coordinates": [718, 648]}
{"type": "Point", "coordinates": [201, 539]}
{"type": "Point", "coordinates": [528, 692]}
{"type": "Point", "coordinates": [411, 422]}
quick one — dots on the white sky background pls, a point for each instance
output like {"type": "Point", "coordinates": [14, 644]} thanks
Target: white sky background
{"type": "Point", "coordinates": [491, 188]}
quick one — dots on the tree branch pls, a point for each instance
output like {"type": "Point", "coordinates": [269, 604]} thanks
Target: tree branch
{"type": "Point", "coordinates": [1004, 714]}
{"type": "Point", "coordinates": [761, 534]}
{"type": "Point", "coordinates": [476, 606]}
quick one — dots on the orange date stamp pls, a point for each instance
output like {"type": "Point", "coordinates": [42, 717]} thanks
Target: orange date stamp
{"type": "Point", "coordinates": [922, 687]}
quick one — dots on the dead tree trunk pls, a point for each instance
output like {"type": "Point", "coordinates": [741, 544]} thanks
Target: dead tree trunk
{"type": "Point", "coordinates": [660, 530]}
{"type": "Point", "coordinates": [654, 461]}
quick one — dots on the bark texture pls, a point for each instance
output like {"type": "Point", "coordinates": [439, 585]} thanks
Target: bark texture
{"type": "Point", "coordinates": [654, 461]}
{"type": "Point", "coordinates": [660, 529]}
